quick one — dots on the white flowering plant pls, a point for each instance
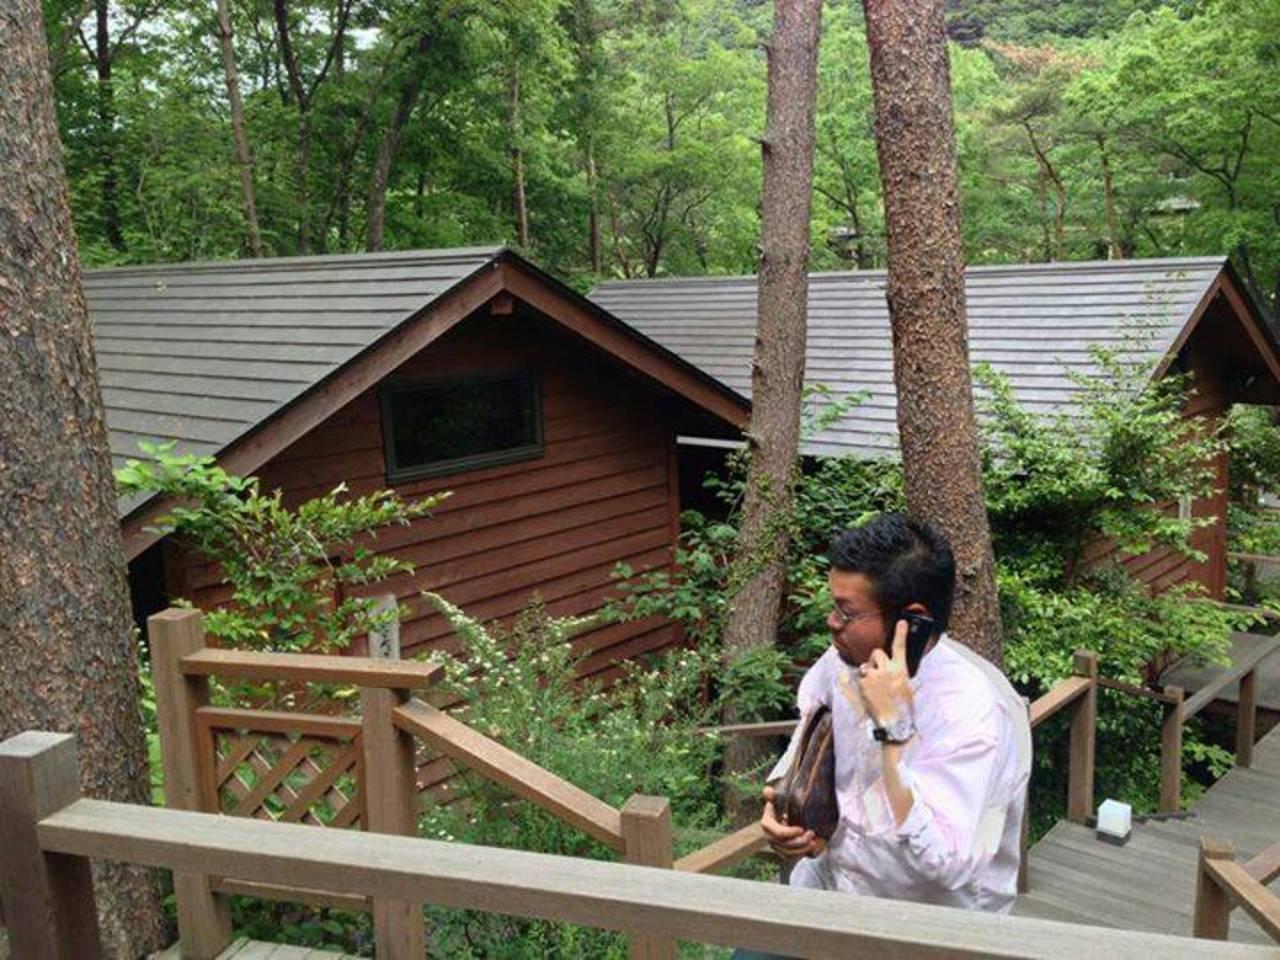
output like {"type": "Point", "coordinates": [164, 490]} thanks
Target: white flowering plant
{"type": "Point", "coordinates": [638, 734]}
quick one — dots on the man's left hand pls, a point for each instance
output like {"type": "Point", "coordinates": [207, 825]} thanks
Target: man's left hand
{"type": "Point", "coordinates": [885, 686]}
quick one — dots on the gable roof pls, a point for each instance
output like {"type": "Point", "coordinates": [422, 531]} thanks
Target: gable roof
{"type": "Point", "coordinates": [1034, 323]}
{"type": "Point", "coordinates": [237, 359]}
{"type": "Point", "coordinates": [202, 352]}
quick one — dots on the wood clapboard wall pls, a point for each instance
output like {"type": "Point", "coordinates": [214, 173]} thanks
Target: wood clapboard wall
{"type": "Point", "coordinates": [604, 491]}
{"type": "Point", "coordinates": [1164, 567]}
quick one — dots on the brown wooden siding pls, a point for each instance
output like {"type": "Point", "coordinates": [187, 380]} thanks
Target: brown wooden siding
{"type": "Point", "coordinates": [1163, 567]}
{"type": "Point", "coordinates": [601, 493]}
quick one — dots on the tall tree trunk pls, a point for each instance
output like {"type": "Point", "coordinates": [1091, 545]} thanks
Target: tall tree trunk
{"type": "Point", "coordinates": [777, 374]}
{"type": "Point", "coordinates": [915, 141]}
{"type": "Point", "coordinates": [107, 127]}
{"type": "Point", "coordinates": [593, 217]}
{"type": "Point", "coordinates": [244, 159]}
{"type": "Point", "coordinates": [390, 142]}
{"type": "Point", "coordinates": [1115, 245]}
{"type": "Point", "coordinates": [516, 150]}
{"type": "Point", "coordinates": [66, 637]}
{"type": "Point", "coordinates": [302, 101]}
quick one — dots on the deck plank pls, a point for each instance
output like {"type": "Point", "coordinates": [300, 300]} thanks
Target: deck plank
{"type": "Point", "coordinates": [1149, 884]}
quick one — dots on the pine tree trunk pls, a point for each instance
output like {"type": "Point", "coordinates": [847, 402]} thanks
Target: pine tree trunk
{"type": "Point", "coordinates": [593, 219]}
{"type": "Point", "coordinates": [1115, 247]}
{"type": "Point", "coordinates": [517, 159]}
{"type": "Point", "coordinates": [65, 626]}
{"type": "Point", "coordinates": [915, 140]}
{"type": "Point", "coordinates": [387, 147]}
{"type": "Point", "coordinates": [777, 375]}
{"type": "Point", "coordinates": [244, 159]}
{"type": "Point", "coordinates": [107, 128]}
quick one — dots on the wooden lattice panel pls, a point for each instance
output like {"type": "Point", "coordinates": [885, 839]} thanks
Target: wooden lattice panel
{"type": "Point", "coordinates": [288, 767]}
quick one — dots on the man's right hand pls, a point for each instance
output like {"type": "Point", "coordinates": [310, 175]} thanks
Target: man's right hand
{"type": "Point", "coordinates": [787, 842]}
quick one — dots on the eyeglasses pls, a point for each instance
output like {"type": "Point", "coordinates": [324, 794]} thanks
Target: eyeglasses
{"type": "Point", "coordinates": [847, 618]}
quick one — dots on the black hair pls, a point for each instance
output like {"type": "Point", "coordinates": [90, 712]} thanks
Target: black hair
{"type": "Point", "coordinates": [907, 561]}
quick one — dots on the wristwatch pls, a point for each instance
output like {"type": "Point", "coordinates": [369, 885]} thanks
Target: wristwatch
{"type": "Point", "coordinates": [900, 730]}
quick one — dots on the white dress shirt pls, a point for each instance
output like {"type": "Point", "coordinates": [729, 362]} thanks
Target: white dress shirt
{"type": "Point", "coordinates": [967, 768]}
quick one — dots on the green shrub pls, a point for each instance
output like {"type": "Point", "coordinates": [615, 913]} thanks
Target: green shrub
{"type": "Point", "coordinates": [284, 565]}
{"type": "Point", "coordinates": [638, 736]}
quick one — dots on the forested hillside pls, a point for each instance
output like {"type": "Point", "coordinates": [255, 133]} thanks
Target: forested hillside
{"type": "Point", "coordinates": [617, 137]}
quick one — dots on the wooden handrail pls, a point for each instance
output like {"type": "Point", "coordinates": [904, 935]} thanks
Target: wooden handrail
{"type": "Point", "coordinates": [1223, 884]}
{"type": "Point", "coordinates": [1252, 557]}
{"type": "Point", "coordinates": [1063, 694]}
{"type": "Point", "coordinates": [1265, 867]}
{"type": "Point", "coordinates": [610, 896]}
{"type": "Point", "coordinates": [1247, 664]}
{"type": "Point", "coordinates": [1135, 691]}
{"type": "Point", "coordinates": [311, 668]}
{"type": "Point", "coordinates": [725, 852]}
{"type": "Point", "coordinates": [771, 728]}
{"type": "Point", "coordinates": [522, 777]}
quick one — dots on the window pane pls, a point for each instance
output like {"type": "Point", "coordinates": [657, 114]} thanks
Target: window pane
{"type": "Point", "coordinates": [440, 423]}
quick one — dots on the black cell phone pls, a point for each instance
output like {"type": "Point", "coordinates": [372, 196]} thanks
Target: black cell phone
{"type": "Point", "coordinates": [919, 633]}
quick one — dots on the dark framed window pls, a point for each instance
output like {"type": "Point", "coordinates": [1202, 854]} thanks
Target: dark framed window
{"type": "Point", "coordinates": [442, 426]}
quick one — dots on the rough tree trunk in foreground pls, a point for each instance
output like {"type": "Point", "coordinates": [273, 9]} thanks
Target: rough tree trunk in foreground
{"type": "Point", "coordinates": [65, 624]}
{"type": "Point", "coordinates": [777, 376]}
{"type": "Point", "coordinates": [915, 139]}
{"type": "Point", "coordinates": [244, 159]}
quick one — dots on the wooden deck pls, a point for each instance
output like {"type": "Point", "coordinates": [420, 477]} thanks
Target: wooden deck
{"type": "Point", "coordinates": [245, 949]}
{"type": "Point", "coordinates": [1149, 884]}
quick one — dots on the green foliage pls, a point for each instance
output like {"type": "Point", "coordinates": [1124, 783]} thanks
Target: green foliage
{"type": "Point", "coordinates": [1253, 528]}
{"type": "Point", "coordinates": [285, 565]}
{"type": "Point", "coordinates": [638, 736]}
{"type": "Point", "coordinates": [1085, 130]}
{"type": "Point", "coordinates": [1113, 466]}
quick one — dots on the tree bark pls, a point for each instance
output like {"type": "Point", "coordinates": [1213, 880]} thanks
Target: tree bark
{"type": "Point", "coordinates": [66, 637]}
{"type": "Point", "coordinates": [390, 142]}
{"type": "Point", "coordinates": [915, 140]}
{"type": "Point", "coordinates": [516, 150]}
{"type": "Point", "coordinates": [107, 127]}
{"type": "Point", "coordinates": [244, 158]}
{"type": "Point", "coordinates": [1115, 245]}
{"type": "Point", "coordinates": [593, 217]}
{"type": "Point", "coordinates": [777, 375]}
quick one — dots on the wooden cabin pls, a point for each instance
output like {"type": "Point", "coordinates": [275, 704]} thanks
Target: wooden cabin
{"type": "Point", "coordinates": [1034, 323]}
{"type": "Point", "coordinates": [471, 371]}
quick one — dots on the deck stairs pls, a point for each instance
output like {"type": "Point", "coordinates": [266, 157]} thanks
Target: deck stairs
{"type": "Point", "coordinates": [1149, 883]}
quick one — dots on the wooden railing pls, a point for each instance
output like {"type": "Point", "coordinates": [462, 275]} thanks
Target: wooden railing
{"type": "Point", "coordinates": [1178, 709]}
{"type": "Point", "coordinates": [1222, 884]}
{"type": "Point", "coordinates": [48, 833]}
{"type": "Point", "coordinates": [346, 772]}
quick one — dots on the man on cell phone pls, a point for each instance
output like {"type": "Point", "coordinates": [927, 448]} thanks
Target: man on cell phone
{"type": "Point", "coordinates": [932, 744]}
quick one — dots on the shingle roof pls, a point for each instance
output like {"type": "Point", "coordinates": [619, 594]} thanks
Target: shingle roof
{"type": "Point", "coordinates": [1034, 323]}
{"type": "Point", "coordinates": [204, 352]}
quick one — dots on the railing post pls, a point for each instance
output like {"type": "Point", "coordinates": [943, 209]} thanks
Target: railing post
{"type": "Point", "coordinates": [647, 840]}
{"type": "Point", "coordinates": [1024, 881]}
{"type": "Point", "coordinates": [1246, 714]}
{"type": "Point", "coordinates": [48, 897]}
{"type": "Point", "coordinates": [204, 917]}
{"type": "Point", "coordinates": [1171, 752]}
{"type": "Point", "coordinates": [391, 806]}
{"type": "Point", "coordinates": [1082, 742]}
{"type": "Point", "coordinates": [1213, 907]}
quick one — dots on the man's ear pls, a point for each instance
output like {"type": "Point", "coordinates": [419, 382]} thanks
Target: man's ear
{"type": "Point", "coordinates": [917, 607]}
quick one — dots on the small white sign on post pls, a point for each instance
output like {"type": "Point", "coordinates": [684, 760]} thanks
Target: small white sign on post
{"type": "Point", "coordinates": [384, 640]}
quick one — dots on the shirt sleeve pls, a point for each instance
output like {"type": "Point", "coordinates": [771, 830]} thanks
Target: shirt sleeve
{"type": "Point", "coordinates": [944, 833]}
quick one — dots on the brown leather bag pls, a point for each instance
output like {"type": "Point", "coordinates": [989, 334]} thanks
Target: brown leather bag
{"type": "Point", "coordinates": [806, 795]}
